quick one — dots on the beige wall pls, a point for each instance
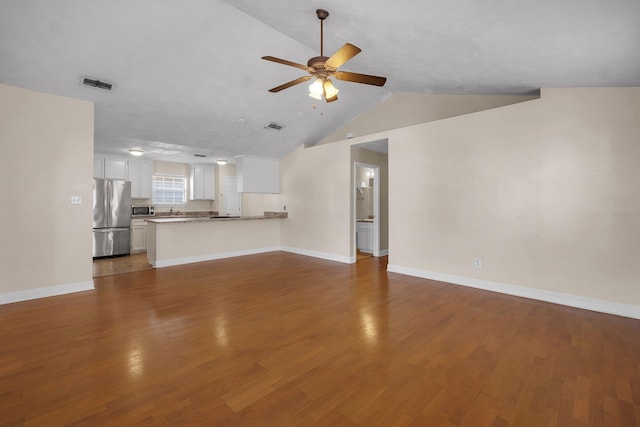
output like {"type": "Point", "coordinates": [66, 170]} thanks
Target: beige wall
{"type": "Point", "coordinates": [46, 146]}
{"type": "Point", "coordinates": [316, 188]}
{"type": "Point", "coordinates": [379, 159]}
{"type": "Point", "coordinates": [257, 204]}
{"type": "Point", "coordinates": [406, 109]}
{"type": "Point", "coordinates": [544, 192]}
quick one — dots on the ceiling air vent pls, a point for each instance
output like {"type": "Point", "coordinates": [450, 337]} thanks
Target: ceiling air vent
{"type": "Point", "coordinates": [91, 82]}
{"type": "Point", "coordinates": [200, 155]}
{"type": "Point", "coordinates": [274, 126]}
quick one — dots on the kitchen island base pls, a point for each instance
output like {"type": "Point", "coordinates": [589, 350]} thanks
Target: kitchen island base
{"type": "Point", "coordinates": [183, 241]}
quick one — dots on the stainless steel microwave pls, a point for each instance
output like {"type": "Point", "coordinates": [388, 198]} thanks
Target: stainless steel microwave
{"type": "Point", "coordinates": [142, 210]}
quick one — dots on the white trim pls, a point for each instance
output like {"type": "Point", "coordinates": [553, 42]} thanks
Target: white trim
{"type": "Point", "coordinates": [211, 257]}
{"type": "Point", "coordinates": [49, 291]}
{"type": "Point", "coordinates": [221, 255]}
{"type": "Point", "coordinates": [323, 255]}
{"type": "Point", "coordinates": [384, 252]}
{"type": "Point", "coordinates": [577, 301]}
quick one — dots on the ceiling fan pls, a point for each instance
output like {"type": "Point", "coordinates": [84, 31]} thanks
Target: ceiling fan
{"type": "Point", "coordinates": [322, 67]}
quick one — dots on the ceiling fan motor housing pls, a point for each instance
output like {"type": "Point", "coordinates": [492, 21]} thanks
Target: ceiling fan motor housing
{"type": "Point", "coordinates": [322, 14]}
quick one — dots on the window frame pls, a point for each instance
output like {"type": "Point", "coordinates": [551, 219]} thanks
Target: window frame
{"type": "Point", "coordinates": [169, 177]}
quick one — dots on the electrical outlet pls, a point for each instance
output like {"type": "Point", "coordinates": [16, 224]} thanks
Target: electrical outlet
{"type": "Point", "coordinates": [477, 263]}
{"type": "Point", "coordinates": [76, 200]}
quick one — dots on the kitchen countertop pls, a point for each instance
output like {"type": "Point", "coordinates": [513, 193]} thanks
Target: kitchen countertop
{"type": "Point", "coordinates": [175, 220]}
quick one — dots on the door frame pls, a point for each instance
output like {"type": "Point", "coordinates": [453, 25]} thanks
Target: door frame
{"type": "Point", "coordinates": [376, 206]}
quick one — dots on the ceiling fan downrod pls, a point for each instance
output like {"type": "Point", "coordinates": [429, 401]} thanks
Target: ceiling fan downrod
{"type": "Point", "coordinates": [322, 15]}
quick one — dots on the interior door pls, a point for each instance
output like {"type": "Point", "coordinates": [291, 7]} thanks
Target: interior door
{"type": "Point", "coordinates": [232, 199]}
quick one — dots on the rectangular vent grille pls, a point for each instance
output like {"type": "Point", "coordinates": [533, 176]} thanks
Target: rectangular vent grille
{"type": "Point", "coordinates": [274, 126]}
{"type": "Point", "coordinates": [88, 81]}
{"type": "Point", "coordinates": [200, 155]}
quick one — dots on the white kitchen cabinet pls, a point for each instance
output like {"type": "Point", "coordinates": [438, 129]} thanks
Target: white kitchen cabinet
{"type": "Point", "coordinates": [258, 174]}
{"type": "Point", "coordinates": [138, 235]}
{"type": "Point", "coordinates": [140, 175]}
{"type": "Point", "coordinates": [115, 168]}
{"type": "Point", "coordinates": [109, 167]}
{"type": "Point", "coordinates": [202, 182]}
{"type": "Point", "coordinates": [364, 236]}
{"type": "Point", "coordinates": [98, 167]}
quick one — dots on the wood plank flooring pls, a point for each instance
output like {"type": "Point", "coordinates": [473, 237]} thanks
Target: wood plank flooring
{"type": "Point", "coordinates": [279, 339]}
{"type": "Point", "coordinates": [121, 264]}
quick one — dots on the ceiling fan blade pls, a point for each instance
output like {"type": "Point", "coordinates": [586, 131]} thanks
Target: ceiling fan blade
{"type": "Point", "coordinates": [360, 78]}
{"type": "Point", "coordinates": [285, 62]}
{"type": "Point", "coordinates": [343, 54]}
{"type": "Point", "coordinates": [289, 84]}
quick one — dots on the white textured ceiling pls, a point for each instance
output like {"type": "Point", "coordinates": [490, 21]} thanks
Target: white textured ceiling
{"type": "Point", "coordinates": [189, 78]}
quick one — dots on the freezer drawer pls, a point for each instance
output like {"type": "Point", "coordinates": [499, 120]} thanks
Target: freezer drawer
{"type": "Point", "coordinates": [111, 241]}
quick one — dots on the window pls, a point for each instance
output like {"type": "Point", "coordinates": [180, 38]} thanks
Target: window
{"type": "Point", "coordinates": [169, 190]}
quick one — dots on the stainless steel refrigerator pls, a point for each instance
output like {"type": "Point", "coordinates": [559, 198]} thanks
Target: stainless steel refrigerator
{"type": "Point", "coordinates": [111, 217]}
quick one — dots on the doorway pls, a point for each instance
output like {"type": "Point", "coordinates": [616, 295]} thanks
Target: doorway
{"type": "Point", "coordinates": [366, 210]}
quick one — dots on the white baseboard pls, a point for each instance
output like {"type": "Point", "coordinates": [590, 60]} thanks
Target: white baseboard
{"type": "Point", "coordinates": [322, 255]}
{"type": "Point", "coordinates": [50, 291]}
{"type": "Point", "coordinates": [211, 257]}
{"type": "Point", "coordinates": [383, 252]}
{"type": "Point", "coordinates": [586, 303]}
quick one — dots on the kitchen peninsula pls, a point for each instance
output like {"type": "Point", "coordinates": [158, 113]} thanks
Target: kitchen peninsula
{"type": "Point", "coordinates": [175, 241]}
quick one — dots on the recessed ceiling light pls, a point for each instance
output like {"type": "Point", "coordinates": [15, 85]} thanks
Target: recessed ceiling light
{"type": "Point", "coordinates": [221, 161]}
{"type": "Point", "coordinates": [242, 120]}
{"type": "Point", "coordinates": [136, 152]}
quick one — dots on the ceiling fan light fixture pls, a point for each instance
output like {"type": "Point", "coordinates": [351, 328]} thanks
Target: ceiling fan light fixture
{"type": "Point", "coordinates": [330, 91]}
{"type": "Point", "coordinates": [316, 88]}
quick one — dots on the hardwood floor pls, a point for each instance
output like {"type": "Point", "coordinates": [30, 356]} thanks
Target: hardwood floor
{"type": "Point", "coordinates": [362, 255]}
{"type": "Point", "coordinates": [284, 340]}
{"type": "Point", "coordinates": [121, 264]}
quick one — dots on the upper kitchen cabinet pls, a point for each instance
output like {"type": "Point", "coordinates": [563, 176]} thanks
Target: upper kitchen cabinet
{"type": "Point", "coordinates": [98, 167]}
{"type": "Point", "coordinates": [202, 182]}
{"type": "Point", "coordinates": [139, 172]}
{"type": "Point", "coordinates": [140, 175]}
{"type": "Point", "coordinates": [106, 167]}
{"type": "Point", "coordinates": [258, 174]}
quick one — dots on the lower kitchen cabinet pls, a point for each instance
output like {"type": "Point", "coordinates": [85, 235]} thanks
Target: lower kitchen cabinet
{"type": "Point", "coordinates": [138, 235]}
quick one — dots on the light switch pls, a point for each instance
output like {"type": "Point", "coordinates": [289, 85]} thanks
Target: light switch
{"type": "Point", "coordinates": [76, 200]}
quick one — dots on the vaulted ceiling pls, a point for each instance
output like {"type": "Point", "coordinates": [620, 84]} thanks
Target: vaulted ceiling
{"type": "Point", "coordinates": [188, 77]}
